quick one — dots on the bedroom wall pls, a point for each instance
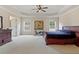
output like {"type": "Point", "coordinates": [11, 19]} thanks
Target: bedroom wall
{"type": "Point", "coordinates": [6, 18]}
{"type": "Point", "coordinates": [31, 19]}
{"type": "Point", "coordinates": [70, 18]}
{"type": "Point", "coordinates": [17, 30]}
{"type": "Point", "coordinates": [7, 21]}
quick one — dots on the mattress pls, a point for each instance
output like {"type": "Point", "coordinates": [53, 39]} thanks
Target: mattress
{"type": "Point", "coordinates": [61, 34]}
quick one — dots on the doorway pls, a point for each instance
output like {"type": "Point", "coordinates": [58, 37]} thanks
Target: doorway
{"type": "Point", "coordinates": [13, 23]}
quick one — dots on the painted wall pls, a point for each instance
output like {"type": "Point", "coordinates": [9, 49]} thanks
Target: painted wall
{"type": "Point", "coordinates": [16, 23]}
{"type": "Point", "coordinates": [6, 18]}
{"type": "Point", "coordinates": [70, 18]}
{"type": "Point", "coordinates": [5, 15]}
{"type": "Point", "coordinates": [31, 19]}
{"type": "Point", "coordinates": [7, 21]}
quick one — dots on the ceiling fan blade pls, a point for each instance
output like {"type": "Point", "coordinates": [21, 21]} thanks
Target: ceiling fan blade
{"type": "Point", "coordinates": [45, 7]}
{"type": "Point", "coordinates": [37, 5]}
{"type": "Point", "coordinates": [40, 6]}
{"type": "Point", "coordinates": [37, 11]}
{"type": "Point", "coordinates": [43, 10]}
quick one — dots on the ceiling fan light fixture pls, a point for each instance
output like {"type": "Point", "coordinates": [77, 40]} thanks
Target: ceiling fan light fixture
{"type": "Point", "coordinates": [40, 8]}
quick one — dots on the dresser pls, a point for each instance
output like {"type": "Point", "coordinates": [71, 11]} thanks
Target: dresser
{"type": "Point", "coordinates": [5, 36]}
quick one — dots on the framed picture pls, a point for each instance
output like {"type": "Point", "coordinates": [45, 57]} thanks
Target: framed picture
{"type": "Point", "coordinates": [39, 25]}
{"type": "Point", "coordinates": [1, 22]}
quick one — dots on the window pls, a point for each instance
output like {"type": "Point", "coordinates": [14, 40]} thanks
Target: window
{"type": "Point", "coordinates": [52, 25]}
{"type": "Point", "coordinates": [27, 26]}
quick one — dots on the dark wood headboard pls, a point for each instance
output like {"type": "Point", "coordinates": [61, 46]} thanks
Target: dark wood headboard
{"type": "Point", "coordinates": [73, 28]}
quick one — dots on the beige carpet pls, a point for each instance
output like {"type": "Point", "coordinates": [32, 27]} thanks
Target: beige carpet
{"type": "Point", "coordinates": [30, 44]}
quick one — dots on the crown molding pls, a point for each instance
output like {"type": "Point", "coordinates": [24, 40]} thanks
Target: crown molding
{"type": "Point", "coordinates": [68, 9]}
{"type": "Point", "coordinates": [11, 11]}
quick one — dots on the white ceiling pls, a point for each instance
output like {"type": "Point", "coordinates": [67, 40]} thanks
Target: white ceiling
{"type": "Point", "coordinates": [28, 9]}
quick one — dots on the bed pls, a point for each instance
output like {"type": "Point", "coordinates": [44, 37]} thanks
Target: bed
{"type": "Point", "coordinates": [60, 37]}
{"type": "Point", "coordinates": [60, 34]}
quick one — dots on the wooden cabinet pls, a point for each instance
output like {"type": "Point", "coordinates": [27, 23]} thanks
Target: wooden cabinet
{"type": "Point", "coordinates": [5, 36]}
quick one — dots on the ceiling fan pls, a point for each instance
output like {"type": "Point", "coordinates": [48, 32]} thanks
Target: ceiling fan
{"type": "Point", "coordinates": [40, 8]}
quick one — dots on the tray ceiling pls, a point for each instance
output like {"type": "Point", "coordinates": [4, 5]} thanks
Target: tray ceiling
{"type": "Point", "coordinates": [28, 9]}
